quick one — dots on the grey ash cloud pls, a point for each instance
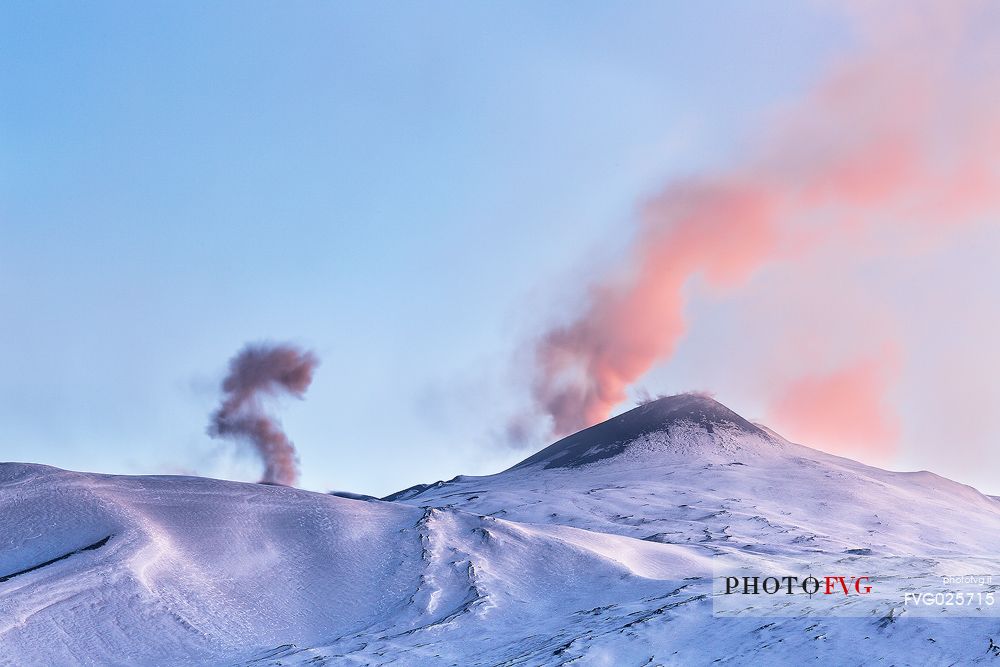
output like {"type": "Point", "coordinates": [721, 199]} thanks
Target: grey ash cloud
{"type": "Point", "coordinates": [261, 371]}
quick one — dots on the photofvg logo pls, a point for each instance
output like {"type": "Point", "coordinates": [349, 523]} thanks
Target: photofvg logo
{"type": "Point", "coordinates": [828, 585]}
{"type": "Point", "coordinates": [764, 594]}
{"type": "Point", "coordinates": [892, 587]}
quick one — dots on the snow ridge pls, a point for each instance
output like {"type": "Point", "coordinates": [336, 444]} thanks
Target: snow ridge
{"type": "Point", "coordinates": [600, 549]}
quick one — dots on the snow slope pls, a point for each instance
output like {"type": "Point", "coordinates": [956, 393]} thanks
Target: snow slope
{"type": "Point", "coordinates": [193, 570]}
{"type": "Point", "coordinates": [725, 486]}
{"type": "Point", "coordinates": [602, 549]}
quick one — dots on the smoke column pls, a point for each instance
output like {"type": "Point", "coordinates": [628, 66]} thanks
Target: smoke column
{"type": "Point", "coordinates": [898, 140]}
{"type": "Point", "coordinates": [258, 372]}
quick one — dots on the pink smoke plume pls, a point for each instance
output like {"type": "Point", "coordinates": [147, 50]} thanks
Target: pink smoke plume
{"type": "Point", "coordinates": [263, 371]}
{"type": "Point", "coordinates": [899, 139]}
{"type": "Point", "coordinates": [845, 407]}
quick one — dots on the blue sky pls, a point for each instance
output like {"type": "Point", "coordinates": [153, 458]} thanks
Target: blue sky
{"type": "Point", "coordinates": [406, 189]}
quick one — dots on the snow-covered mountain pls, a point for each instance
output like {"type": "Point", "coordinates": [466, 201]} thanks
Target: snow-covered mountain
{"type": "Point", "coordinates": [686, 469]}
{"type": "Point", "coordinates": [605, 548]}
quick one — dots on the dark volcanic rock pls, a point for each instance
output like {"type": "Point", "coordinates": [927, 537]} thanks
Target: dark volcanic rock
{"type": "Point", "coordinates": [611, 437]}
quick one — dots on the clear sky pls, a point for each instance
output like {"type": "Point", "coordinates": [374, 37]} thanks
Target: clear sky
{"type": "Point", "coordinates": [410, 190]}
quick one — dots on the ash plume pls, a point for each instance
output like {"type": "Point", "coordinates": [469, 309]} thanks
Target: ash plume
{"type": "Point", "coordinates": [896, 143]}
{"type": "Point", "coordinates": [259, 372]}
